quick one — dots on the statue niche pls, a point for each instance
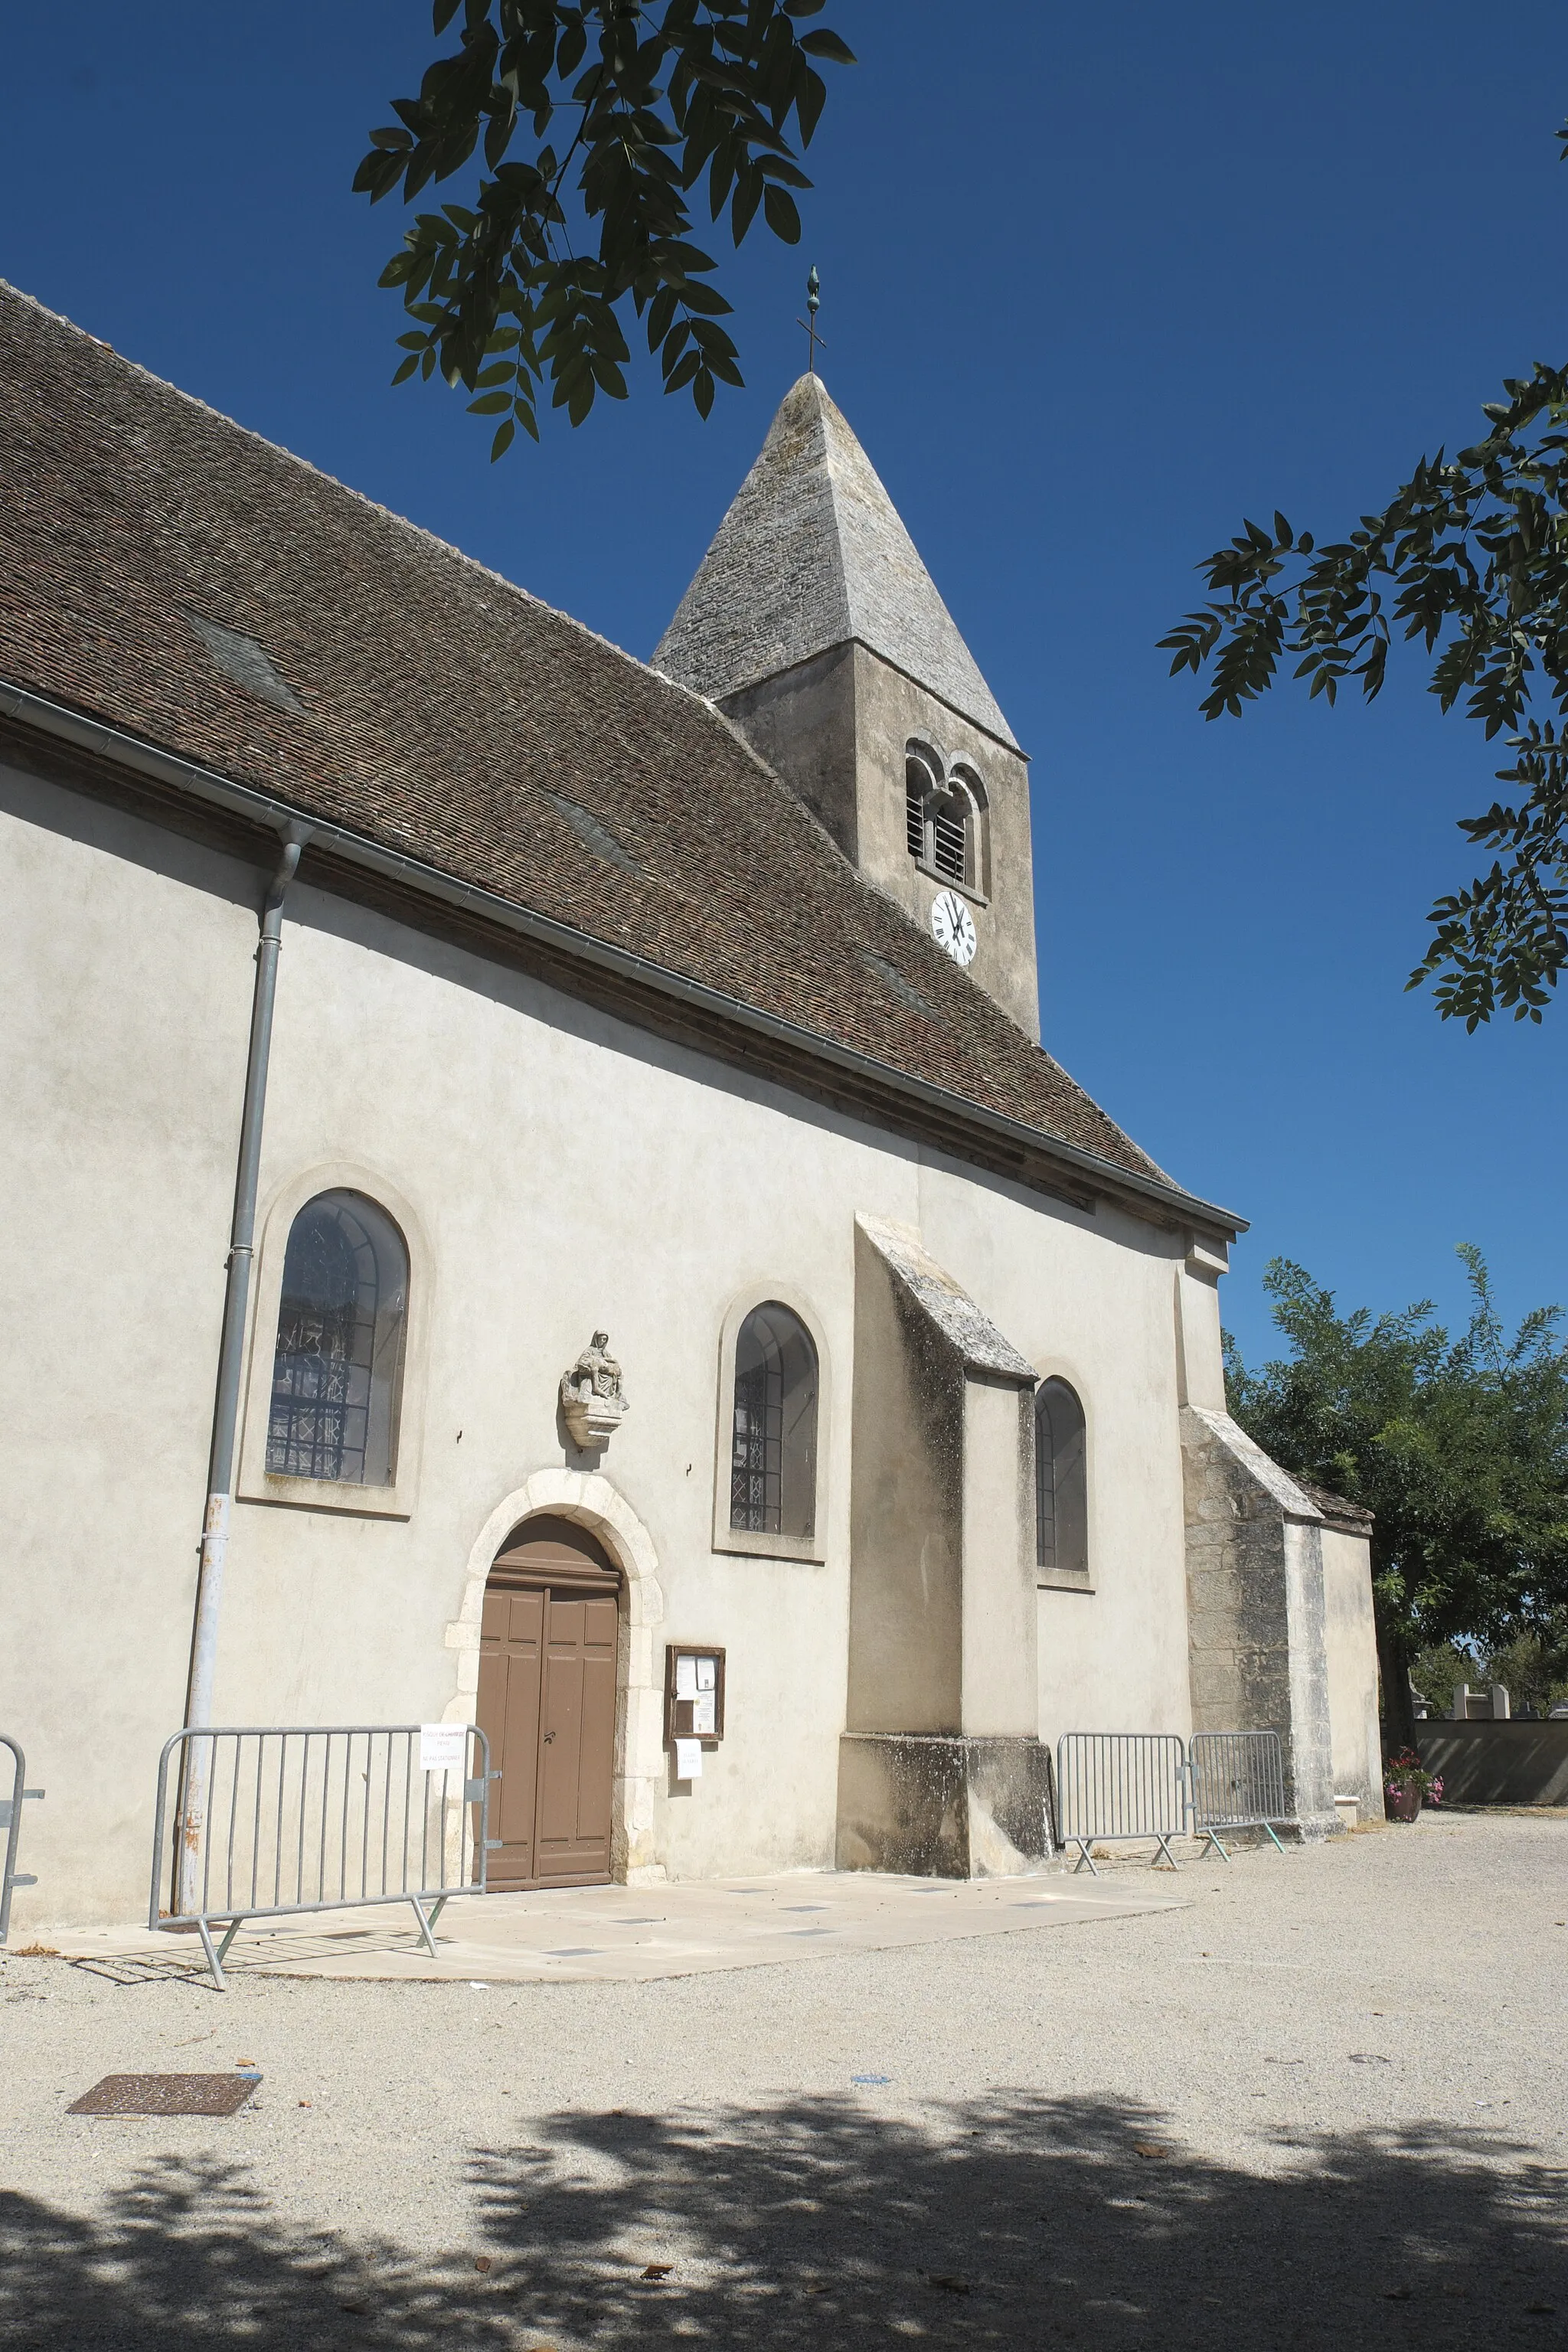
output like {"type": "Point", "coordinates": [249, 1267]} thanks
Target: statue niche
{"type": "Point", "coordinates": [592, 1402]}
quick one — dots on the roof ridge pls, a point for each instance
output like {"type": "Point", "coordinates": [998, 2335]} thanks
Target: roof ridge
{"type": "Point", "coordinates": [440, 698]}
{"type": "Point", "coordinates": [401, 523]}
{"type": "Point", "coordinates": [912, 929]}
{"type": "Point", "coordinates": [291, 457]}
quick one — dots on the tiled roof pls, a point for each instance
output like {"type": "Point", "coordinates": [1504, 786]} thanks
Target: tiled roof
{"type": "Point", "coordinates": [167, 572]}
{"type": "Point", "coordinates": [812, 554]}
{"type": "Point", "coordinates": [1354, 1518]}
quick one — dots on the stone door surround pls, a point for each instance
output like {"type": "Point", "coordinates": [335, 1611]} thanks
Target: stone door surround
{"type": "Point", "coordinates": [592, 1502]}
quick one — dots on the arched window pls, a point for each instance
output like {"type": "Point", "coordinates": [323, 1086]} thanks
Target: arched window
{"type": "Point", "coordinates": [772, 1461]}
{"type": "Point", "coordinates": [920, 785]}
{"type": "Point", "coordinates": [338, 1366]}
{"type": "Point", "coordinates": [1061, 1482]}
{"type": "Point", "coordinates": [942, 821]}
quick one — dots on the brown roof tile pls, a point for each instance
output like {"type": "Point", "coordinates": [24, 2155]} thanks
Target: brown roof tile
{"type": "Point", "coordinates": [446, 714]}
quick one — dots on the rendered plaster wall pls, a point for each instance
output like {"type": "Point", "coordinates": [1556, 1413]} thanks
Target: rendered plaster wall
{"type": "Point", "coordinates": [558, 1170]}
{"type": "Point", "coordinates": [122, 1097]}
{"type": "Point", "coordinates": [1199, 1344]}
{"type": "Point", "coordinates": [1001, 1683]}
{"type": "Point", "coordinates": [1087, 1296]}
{"type": "Point", "coordinates": [1255, 1607]}
{"type": "Point", "coordinates": [906, 1599]}
{"type": "Point", "coordinates": [1508, 1763]}
{"type": "Point", "coordinates": [1350, 1643]}
{"type": "Point", "coordinates": [943, 1417]}
{"type": "Point", "coordinates": [838, 728]}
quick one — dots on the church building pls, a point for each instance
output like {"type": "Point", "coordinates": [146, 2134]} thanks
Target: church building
{"type": "Point", "coordinates": [533, 1196]}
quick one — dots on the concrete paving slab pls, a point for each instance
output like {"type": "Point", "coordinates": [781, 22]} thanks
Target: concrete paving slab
{"type": "Point", "coordinates": [639, 1934]}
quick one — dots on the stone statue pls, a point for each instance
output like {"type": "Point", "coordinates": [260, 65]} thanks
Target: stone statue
{"type": "Point", "coordinates": [592, 1402]}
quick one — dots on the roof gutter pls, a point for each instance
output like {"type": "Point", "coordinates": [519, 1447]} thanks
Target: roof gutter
{"type": "Point", "coordinates": [97, 736]}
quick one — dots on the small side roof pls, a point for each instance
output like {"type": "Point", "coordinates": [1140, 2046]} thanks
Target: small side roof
{"type": "Point", "coordinates": [813, 554]}
{"type": "Point", "coordinates": [1351, 1518]}
{"type": "Point", "coordinates": [967, 1328]}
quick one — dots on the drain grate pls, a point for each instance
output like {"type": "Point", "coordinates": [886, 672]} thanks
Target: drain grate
{"type": "Point", "coordinates": [165, 2095]}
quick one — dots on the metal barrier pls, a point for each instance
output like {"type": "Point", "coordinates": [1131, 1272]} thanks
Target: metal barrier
{"type": "Point", "coordinates": [1052, 1810]}
{"type": "Point", "coordinates": [269, 1822]}
{"type": "Point", "coordinates": [1118, 1786]}
{"type": "Point", "coordinates": [1237, 1782]}
{"type": "Point", "coordinates": [11, 1823]}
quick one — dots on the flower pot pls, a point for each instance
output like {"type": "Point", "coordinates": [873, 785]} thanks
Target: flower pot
{"type": "Point", "coordinates": [1404, 1801]}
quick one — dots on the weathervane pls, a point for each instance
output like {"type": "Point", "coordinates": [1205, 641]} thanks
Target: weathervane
{"type": "Point", "coordinates": [813, 303]}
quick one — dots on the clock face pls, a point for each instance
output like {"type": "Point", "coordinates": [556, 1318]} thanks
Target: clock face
{"type": "Point", "coordinates": [952, 926]}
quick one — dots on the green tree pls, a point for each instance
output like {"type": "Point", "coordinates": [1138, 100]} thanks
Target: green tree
{"type": "Point", "coordinates": [1469, 557]}
{"type": "Point", "coordinates": [1458, 1446]}
{"type": "Point", "coordinates": [1533, 1670]}
{"type": "Point", "coordinates": [572, 222]}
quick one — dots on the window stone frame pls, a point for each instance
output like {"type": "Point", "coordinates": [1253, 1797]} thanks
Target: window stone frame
{"type": "Point", "coordinates": [946, 771]}
{"type": "Point", "coordinates": [1058, 1579]}
{"type": "Point", "coordinates": [726, 1539]}
{"type": "Point", "coordinates": [256, 1482]}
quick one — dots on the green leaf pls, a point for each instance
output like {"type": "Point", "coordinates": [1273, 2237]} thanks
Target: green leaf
{"type": "Point", "coordinates": [661, 93]}
{"type": "Point", "coordinates": [824, 44]}
{"type": "Point", "coordinates": [779, 206]}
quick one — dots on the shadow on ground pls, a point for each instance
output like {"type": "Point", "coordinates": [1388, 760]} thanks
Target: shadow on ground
{"type": "Point", "coordinates": [1012, 2222]}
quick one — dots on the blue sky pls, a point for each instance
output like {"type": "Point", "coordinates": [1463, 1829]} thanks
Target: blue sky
{"type": "Point", "coordinates": [1095, 283]}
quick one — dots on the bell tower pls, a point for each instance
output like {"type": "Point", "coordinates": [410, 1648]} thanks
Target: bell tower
{"type": "Point", "coordinates": [815, 626]}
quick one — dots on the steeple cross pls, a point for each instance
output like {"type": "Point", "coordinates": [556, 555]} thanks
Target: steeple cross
{"type": "Point", "coordinates": [813, 303]}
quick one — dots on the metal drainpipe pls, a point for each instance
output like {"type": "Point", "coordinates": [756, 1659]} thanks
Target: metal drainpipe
{"type": "Point", "coordinates": [225, 1408]}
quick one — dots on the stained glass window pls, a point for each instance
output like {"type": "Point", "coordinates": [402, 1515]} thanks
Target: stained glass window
{"type": "Point", "coordinates": [1061, 1481]}
{"type": "Point", "coordinates": [338, 1366]}
{"type": "Point", "coordinates": [773, 1462]}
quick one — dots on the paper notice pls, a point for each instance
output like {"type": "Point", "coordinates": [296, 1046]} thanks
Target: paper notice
{"type": "Point", "coordinates": [442, 1747]}
{"type": "Point", "coordinates": [704, 1715]}
{"type": "Point", "coordinates": [707, 1674]}
{"type": "Point", "coordinates": [689, 1760]}
{"type": "Point", "coordinates": [686, 1679]}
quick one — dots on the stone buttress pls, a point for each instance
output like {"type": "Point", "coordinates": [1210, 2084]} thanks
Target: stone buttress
{"type": "Point", "coordinates": [942, 1772]}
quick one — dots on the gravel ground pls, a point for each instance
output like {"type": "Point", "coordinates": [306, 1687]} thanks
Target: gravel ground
{"type": "Point", "coordinates": [1324, 2104]}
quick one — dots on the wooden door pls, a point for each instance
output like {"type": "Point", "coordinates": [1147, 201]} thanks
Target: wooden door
{"type": "Point", "coordinates": [511, 1650]}
{"type": "Point", "coordinates": [577, 1745]}
{"type": "Point", "coordinates": [547, 1702]}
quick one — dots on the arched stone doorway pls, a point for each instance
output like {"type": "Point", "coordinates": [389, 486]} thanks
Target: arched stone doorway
{"type": "Point", "coordinates": [549, 1640]}
{"type": "Point", "coordinates": [594, 1506]}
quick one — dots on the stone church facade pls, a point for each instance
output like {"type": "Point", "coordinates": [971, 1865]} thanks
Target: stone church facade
{"type": "Point", "coordinates": [669, 1239]}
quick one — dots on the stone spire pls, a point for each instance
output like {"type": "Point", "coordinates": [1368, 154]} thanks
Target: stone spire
{"type": "Point", "coordinates": [818, 631]}
{"type": "Point", "coordinates": [812, 555]}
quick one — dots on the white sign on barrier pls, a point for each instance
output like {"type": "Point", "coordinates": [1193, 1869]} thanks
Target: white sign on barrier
{"type": "Point", "coordinates": [442, 1747]}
